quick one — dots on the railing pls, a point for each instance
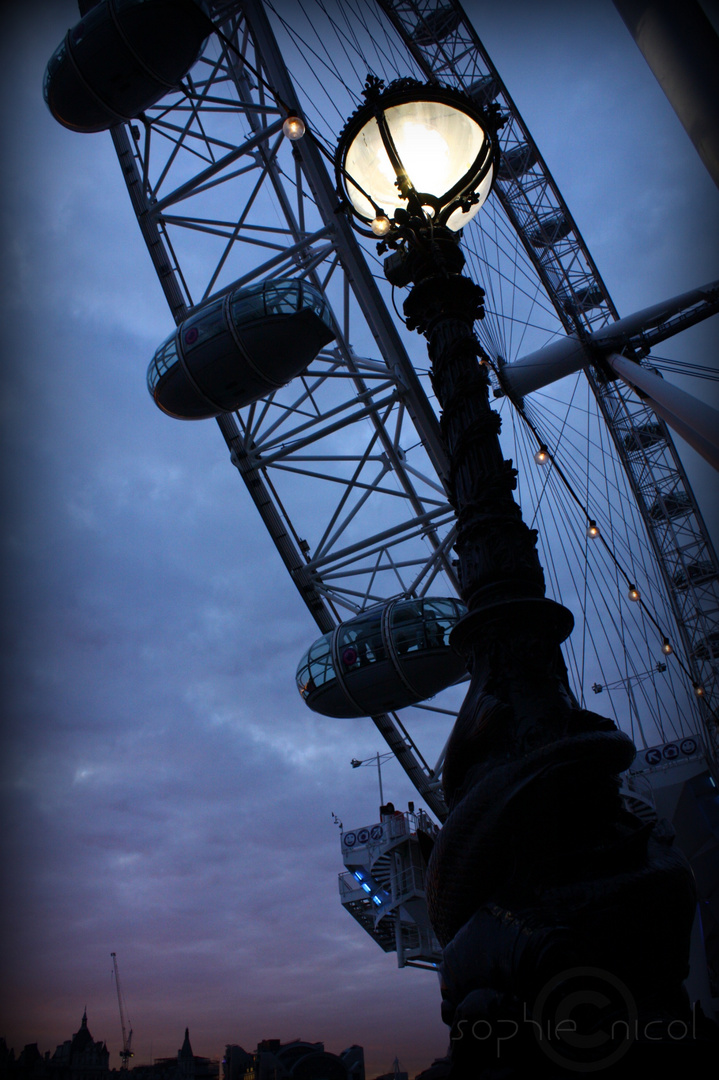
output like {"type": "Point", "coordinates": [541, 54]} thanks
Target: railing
{"type": "Point", "coordinates": [392, 827]}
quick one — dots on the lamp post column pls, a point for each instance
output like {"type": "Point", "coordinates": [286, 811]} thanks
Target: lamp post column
{"type": "Point", "coordinates": [539, 871]}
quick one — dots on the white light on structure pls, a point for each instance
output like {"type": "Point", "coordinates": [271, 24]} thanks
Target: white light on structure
{"type": "Point", "coordinates": [293, 128]}
{"type": "Point", "coordinates": [633, 592]}
{"type": "Point", "coordinates": [667, 647]}
{"type": "Point", "coordinates": [425, 149]}
{"type": "Point", "coordinates": [542, 456]}
{"type": "Point", "coordinates": [381, 225]}
{"type": "Point", "coordinates": [592, 530]}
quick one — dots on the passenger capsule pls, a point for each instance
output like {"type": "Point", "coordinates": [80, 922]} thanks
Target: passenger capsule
{"type": "Point", "coordinates": [707, 648]}
{"type": "Point", "coordinates": [484, 90]}
{"type": "Point", "coordinates": [671, 505]}
{"type": "Point", "coordinates": [643, 437]}
{"type": "Point", "coordinates": [695, 572]}
{"type": "Point", "coordinates": [583, 299]}
{"type": "Point", "coordinates": [122, 57]}
{"type": "Point", "coordinates": [388, 657]}
{"type": "Point", "coordinates": [238, 348]}
{"type": "Point", "coordinates": [552, 229]}
{"type": "Point", "coordinates": [517, 161]}
{"type": "Point", "coordinates": [435, 26]}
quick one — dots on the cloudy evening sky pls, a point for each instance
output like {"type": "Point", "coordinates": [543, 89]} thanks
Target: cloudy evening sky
{"type": "Point", "coordinates": [166, 795]}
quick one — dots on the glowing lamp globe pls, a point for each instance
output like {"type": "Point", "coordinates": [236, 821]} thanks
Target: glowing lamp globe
{"type": "Point", "coordinates": [423, 149]}
{"type": "Point", "coordinates": [293, 128]}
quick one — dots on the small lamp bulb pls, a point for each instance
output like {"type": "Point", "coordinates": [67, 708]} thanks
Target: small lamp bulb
{"type": "Point", "coordinates": [542, 455]}
{"type": "Point", "coordinates": [698, 689]}
{"type": "Point", "coordinates": [667, 647]}
{"type": "Point", "coordinates": [293, 128]}
{"type": "Point", "coordinates": [592, 530]}
{"type": "Point", "coordinates": [381, 225]}
{"type": "Point", "coordinates": [633, 592]}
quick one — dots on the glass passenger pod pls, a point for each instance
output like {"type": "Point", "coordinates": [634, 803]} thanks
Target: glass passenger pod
{"type": "Point", "coordinates": [238, 348]}
{"type": "Point", "coordinates": [122, 57]}
{"type": "Point", "coordinates": [389, 657]}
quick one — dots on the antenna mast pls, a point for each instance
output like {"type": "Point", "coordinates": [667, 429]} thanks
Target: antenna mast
{"type": "Point", "coordinates": [126, 1052]}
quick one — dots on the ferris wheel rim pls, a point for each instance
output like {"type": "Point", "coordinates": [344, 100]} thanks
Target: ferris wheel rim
{"type": "Point", "coordinates": [247, 452]}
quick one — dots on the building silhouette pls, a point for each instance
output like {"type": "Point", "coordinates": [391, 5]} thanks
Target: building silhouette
{"type": "Point", "coordinates": [297, 1060]}
{"type": "Point", "coordinates": [184, 1066]}
{"type": "Point", "coordinates": [81, 1058]}
{"type": "Point", "coordinates": [78, 1058]}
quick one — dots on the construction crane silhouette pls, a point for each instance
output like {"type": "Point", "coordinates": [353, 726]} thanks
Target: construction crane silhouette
{"type": "Point", "coordinates": [126, 1052]}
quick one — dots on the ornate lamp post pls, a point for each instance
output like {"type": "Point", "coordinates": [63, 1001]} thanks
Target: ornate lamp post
{"type": "Point", "coordinates": [564, 919]}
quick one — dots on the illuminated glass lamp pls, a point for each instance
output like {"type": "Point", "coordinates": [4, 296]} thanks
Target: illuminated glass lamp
{"type": "Point", "coordinates": [293, 128]}
{"type": "Point", "coordinates": [122, 57]}
{"type": "Point", "coordinates": [425, 151]}
{"type": "Point", "coordinates": [389, 657]}
{"type": "Point", "coordinates": [238, 348]}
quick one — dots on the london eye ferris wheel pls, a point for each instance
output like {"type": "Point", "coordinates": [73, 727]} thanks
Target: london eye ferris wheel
{"type": "Point", "coordinates": [341, 454]}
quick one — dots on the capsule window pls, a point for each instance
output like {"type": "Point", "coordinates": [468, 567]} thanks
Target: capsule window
{"type": "Point", "coordinates": [440, 617]}
{"type": "Point", "coordinates": [277, 298]}
{"type": "Point", "coordinates": [408, 628]}
{"type": "Point", "coordinates": [284, 299]}
{"type": "Point", "coordinates": [360, 642]}
{"type": "Point", "coordinates": [163, 360]}
{"type": "Point", "coordinates": [55, 61]}
{"type": "Point", "coordinates": [203, 327]}
{"type": "Point", "coordinates": [247, 305]}
{"type": "Point", "coordinates": [317, 668]}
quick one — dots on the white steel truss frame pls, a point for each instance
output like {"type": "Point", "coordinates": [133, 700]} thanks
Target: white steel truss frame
{"type": "Point", "coordinates": [364, 425]}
